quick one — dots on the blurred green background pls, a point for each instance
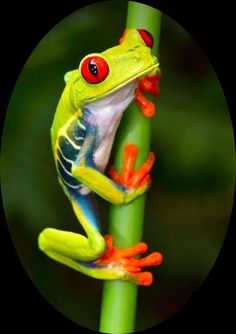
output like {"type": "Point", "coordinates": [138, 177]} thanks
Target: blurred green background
{"type": "Point", "coordinates": [189, 203]}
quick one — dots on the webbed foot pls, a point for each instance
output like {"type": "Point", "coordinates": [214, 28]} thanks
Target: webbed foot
{"type": "Point", "coordinates": [149, 85]}
{"type": "Point", "coordinates": [130, 178]}
{"type": "Point", "coordinates": [122, 264]}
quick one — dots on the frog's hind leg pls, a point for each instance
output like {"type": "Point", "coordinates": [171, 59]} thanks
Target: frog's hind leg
{"type": "Point", "coordinates": [96, 256]}
{"type": "Point", "coordinates": [69, 247]}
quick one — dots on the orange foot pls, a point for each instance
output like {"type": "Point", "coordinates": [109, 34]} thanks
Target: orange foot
{"type": "Point", "coordinates": [129, 177]}
{"type": "Point", "coordinates": [123, 264]}
{"type": "Point", "coordinates": [150, 85]}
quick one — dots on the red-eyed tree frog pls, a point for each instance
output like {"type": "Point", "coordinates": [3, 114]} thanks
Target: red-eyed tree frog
{"type": "Point", "coordinates": [86, 119]}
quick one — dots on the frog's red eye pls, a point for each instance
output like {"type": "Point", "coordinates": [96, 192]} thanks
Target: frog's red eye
{"type": "Point", "coordinates": [147, 37]}
{"type": "Point", "coordinates": [94, 69]}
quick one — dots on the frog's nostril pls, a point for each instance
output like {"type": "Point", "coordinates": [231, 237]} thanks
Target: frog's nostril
{"type": "Point", "coordinates": [136, 57]}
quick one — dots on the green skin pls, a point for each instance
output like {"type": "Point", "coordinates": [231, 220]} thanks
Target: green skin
{"type": "Point", "coordinates": [128, 62]}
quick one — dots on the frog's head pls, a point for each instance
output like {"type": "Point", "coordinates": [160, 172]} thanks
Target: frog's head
{"type": "Point", "coordinates": [100, 74]}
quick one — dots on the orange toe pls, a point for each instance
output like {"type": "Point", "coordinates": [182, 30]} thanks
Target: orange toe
{"type": "Point", "coordinates": [147, 107]}
{"type": "Point", "coordinates": [124, 260]}
{"type": "Point", "coordinates": [130, 155]}
{"type": "Point", "coordinates": [137, 249]}
{"type": "Point", "coordinates": [154, 259]}
{"type": "Point", "coordinates": [146, 181]}
{"type": "Point", "coordinates": [151, 86]}
{"type": "Point", "coordinates": [129, 177]}
{"type": "Point", "coordinates": [144, 278]}
{"type": "Point", "coordinates": [112, 173]}
{"type": "Point", "coordinates": [143, 171]}
{"type": "Point", "coordinates": [109, 242]}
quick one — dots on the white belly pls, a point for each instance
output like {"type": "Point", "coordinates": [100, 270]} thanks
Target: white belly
{"type": "Point", "coordinates": [108, 112]}
{"type": "Point", "coordinates": [102, 153]}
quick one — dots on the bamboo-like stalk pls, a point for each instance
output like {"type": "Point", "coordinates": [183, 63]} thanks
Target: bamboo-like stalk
{"type": "Point", "coordinates": [126, 222]}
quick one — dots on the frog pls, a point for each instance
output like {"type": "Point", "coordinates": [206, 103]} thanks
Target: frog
{"type": "Point", "coordinates": [87, 117]}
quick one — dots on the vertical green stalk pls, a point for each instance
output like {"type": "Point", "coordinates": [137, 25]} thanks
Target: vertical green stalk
{"type": "Point", "coordinates": [126, 222]}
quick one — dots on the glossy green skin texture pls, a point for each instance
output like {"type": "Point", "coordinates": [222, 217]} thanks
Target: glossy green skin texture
{"type": "Point", "coordinates": [129, 61]}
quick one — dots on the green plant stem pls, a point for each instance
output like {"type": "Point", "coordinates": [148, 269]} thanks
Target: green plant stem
{"type": "Point", "coordinates": [126, 222]}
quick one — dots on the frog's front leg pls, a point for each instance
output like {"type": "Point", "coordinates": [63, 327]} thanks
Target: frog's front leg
{"type": "Point", "coordinates": [119, 189]}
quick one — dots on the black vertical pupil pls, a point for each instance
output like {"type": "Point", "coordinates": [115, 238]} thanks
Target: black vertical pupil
{"type": "Point", "coordinates": [93, 69]}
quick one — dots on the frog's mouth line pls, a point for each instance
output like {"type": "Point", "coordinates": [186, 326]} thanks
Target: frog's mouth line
{"type": "Point", "coordinates": [139, 75]}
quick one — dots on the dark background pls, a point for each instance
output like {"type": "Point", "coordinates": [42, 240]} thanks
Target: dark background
{"type": "Point", "coordinates": [179, 190]}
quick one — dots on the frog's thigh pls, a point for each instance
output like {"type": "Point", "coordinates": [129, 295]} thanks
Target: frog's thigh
{"type": "Point", "coordinates": [69, 244]}
{"type": "Point", "coordinates": [73, 245]}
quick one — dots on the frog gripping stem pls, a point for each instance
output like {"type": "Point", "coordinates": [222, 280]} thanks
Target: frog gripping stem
{"type": "Point", "coordinates": [123, 261]}
{"type": "Point", "coordinates": [151, 86]}
{"type": "Point", "coordinates": [130, 178]}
